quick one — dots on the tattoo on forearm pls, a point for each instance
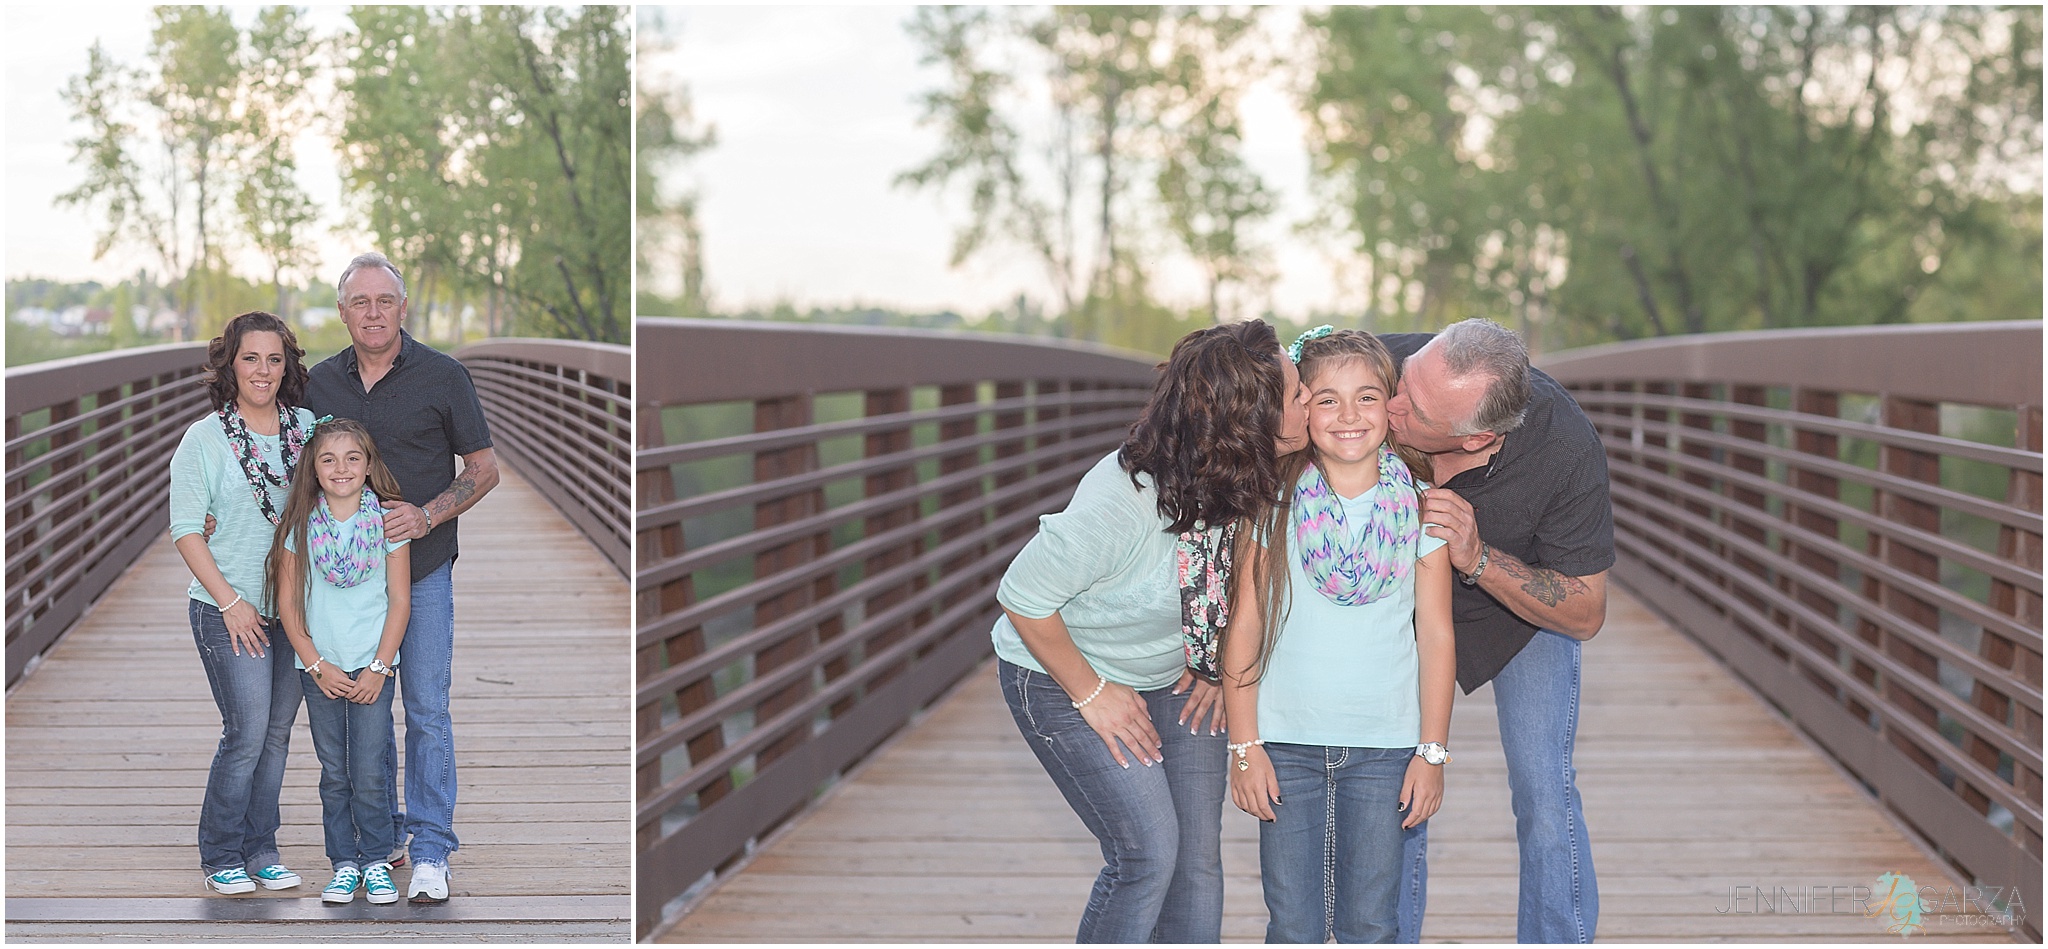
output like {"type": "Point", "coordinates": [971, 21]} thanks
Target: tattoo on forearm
{"type": "Point", "coordinates": [1547, 587]}
{"type": "Point", "coordinates": [458, 493]}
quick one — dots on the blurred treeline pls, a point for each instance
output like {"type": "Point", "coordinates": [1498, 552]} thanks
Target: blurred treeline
{"type": "Point", "coordinates": [1586, 174]}
{"type": "Point", "coordinates": [485, 150]}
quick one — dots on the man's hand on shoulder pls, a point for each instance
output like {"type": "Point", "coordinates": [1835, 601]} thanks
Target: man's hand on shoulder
{"type": "Point", "coordinates": [403, 521]}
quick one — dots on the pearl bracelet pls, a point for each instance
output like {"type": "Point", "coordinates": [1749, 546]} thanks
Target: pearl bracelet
{"type": "Point", "coordinates": [231, 603]}
{"type": "Point", "coordinates": [1239, 748]}
{"type": "Point", "coordinates": [1100, 682]}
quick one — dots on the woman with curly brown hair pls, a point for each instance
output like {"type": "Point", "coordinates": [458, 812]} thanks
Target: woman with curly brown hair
{"type": "Point", "coordinates": [1106, 646]}
{"type": "Point", "coordinates": [234, 465]}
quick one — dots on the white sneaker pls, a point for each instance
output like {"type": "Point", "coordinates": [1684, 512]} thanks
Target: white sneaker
{"type": "Point", "coordinates": [429, 883]}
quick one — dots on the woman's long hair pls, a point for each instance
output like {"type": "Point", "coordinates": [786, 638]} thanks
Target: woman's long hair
{"type": "Point", "coordinates": [302, 499]}
{"type": "Point", "coordinates": [1265, 549]}
{"type": "Point", "coordinates": [1206, 437]}
{"type": "Point", "coordinates": [221, 352]}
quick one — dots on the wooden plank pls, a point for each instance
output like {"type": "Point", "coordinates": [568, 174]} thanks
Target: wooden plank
{"type": "Point", "coordinates": [1692, 789]}
{"type": "Point", "coordinates": [106, 765]}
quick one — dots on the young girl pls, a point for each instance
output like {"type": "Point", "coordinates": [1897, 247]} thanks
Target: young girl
{"type": "Point", "coordinates": [344, 594]}
{"type": "Point", "coordinates": [1346, 664]}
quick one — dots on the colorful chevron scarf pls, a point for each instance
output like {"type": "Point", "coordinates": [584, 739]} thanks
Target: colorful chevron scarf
{"type": "Point", "coordinates": [346, 565]}
{"type": "Point", "coordinates": [1355, 566]}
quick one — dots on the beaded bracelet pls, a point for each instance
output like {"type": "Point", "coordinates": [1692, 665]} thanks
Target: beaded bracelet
{"type": "Point", "coordinates": [1099, 683]}
{"type": "Point", "coordinates": [1239, 748]}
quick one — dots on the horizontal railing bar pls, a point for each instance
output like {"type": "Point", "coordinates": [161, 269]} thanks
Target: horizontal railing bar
{"type": "Point", "coordinates": [653, 458]}
{"type": "Point", "coordinates": [596, 409]}
{"type": "Point", "coordinates": [100, 413]}
{"type": "Point", "coordinates": [530, 377]}
{"type": "Point", "coordinates": [756, 590]}
{"type": "Point", "coordinates": [574, 447]}
{"type": "Point", "coordinates": [1927, 640]}
{"type": "Point", "coordinates": [1927, 740]}
{"type": "Point", "coordinates": [2015, 458]}
{"type": "Point", "coordinates": [598, 428]}
{"type": "Point", "coordinates": [752, 692]}
{"type": "Point", "coordinates": [125, 522]}
{"type": "Point", "coordinates": [112, 472]}
{"type": "Point", "coordinates": [674, 512]}
{"type": "Point", "coordinates": [75, 543]}
{"type": "Point", "coordinates": [694, 669]}
{"type": "Point", "coordinates": [687, 562]}
{"type": "Point", "coordinates": [1880, 480]}
{"type": "Point", "coordinates": [653, 806]}
{"type": "Point", "coordinates": [158, 418]}
{"type": "Point", "coordinates": [1907, 534]}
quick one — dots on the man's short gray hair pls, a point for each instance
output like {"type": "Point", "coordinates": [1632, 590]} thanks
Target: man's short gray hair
{"type": "Point", "coordinates": [371, 259]}
{"type": "Point", "coordinates": [1483, 347]}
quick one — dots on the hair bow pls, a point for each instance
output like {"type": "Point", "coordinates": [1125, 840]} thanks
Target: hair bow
{"type": "Point", "coordinates": [1294, 351]}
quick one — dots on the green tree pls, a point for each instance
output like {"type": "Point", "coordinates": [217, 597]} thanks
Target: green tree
{"type": "Point", "coordinates": [489, 150]}
{"type": "Point", "coordinates": [1143, 131]}
{"type": "Point", "coordinates": [274, 210]}
{"type": "Point", "coordinates": [1614, 173]}
{"type": "Point", "coordinates": [667, 135]}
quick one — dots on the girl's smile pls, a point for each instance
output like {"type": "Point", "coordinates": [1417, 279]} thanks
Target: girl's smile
{"type": "Point", "coordinates": [1347, 421]}
{"type": "Point", "coordinates": [341, 465]}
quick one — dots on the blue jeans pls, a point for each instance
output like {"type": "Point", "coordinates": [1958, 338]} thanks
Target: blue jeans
{"type": "Point", "coordinates": [258, 698]}
{"type": "Point", "coordinates": [424, 677]}
{"type": "Point", "coordinates": [1160, 827]}
{"type": "Point", "coordinates": [1537, 700]}
{"type": "Point", "coordinates": [354, 745]}
{"type": "Point", "coordinates": [1331, 858]}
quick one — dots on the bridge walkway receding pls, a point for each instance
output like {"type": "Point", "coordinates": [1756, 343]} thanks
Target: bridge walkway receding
{"type": "Point", "coordinates": [109, 740]}
{"type": "Point", "coordinates": [1699, 799]}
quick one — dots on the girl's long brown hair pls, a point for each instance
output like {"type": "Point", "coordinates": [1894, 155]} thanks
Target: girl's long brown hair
{"type": "Point", "coordinates": [1206, 436]}
{"type": "Point", "coordinates": [1265, 547]}
{"type": "Point", "coordinates": [300, 501]}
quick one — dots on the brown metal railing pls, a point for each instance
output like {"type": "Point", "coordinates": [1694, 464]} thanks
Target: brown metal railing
{"type": "Point", "coordinates": [561, 412]}
{"type": "Point", "coordinates": [88, 484]}
{"type": "Point", "coordinates": [823, 516]}
{"type": "Point", "coordinates": [1851, 519]}
{"type": "Point", "coordinates": [89, 439]}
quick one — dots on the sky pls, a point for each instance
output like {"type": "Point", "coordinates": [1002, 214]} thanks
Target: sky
{"type": "Point", "coordinates": [815, 115]}
{"type": "Point", "coordinates": [47, 45]}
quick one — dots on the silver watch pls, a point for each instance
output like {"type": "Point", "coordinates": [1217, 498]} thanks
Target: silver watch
{"type": "Point", "coordinates": [377, 666]}
{"type": "Point", "coordinates": [1433, 752]}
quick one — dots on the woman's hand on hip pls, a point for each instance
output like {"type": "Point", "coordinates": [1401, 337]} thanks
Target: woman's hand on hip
{"type": "Point", "coordinates": [1118, 714]}
{"type": "Point", "coordinates": [1205, 697]}
{"type": "Point", "coordinates": [245, 629]}
{"type": "Point", "coordinates": [1254, 788]}
{"type": "Point", "coordinates": [1422, 792]}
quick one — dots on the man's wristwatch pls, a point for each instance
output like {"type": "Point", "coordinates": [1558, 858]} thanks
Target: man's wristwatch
{"type": "Point", "coordinates": [377, 666]}
{"type": "Point", "coordinates": [1472, 579]}
{"type": "Point", "coordinates": [1433, 752]}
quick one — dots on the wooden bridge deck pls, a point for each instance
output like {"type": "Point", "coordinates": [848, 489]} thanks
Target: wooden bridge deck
{"type": "Point", "coordinates": [1692, 789]}
{"type": "Point", "coordinates": [109, 740]}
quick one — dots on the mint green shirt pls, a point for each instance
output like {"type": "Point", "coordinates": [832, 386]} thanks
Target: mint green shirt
{"type": "Point", "coordinates": [1106, 566]}
{"type": "Point", "coordinates": [1345, 676]}
{"type": "Point", "coordinates": [347, 623]}
{"type": "Point", "coordinates": [206, 479]}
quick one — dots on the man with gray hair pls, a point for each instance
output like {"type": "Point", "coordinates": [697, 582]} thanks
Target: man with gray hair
{"type": "Point", "coordinates": [1521, 501]}
{"type": "Point", "coordinates": [422, 410]}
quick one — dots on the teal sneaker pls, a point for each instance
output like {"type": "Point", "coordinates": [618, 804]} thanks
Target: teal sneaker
{"type": "Point", "coordinates": [277, 876]}
{"type": "Point", "coordinates": [377, 883]}
{"type": "Point", "coordinates": [342, 889]}
{"type": "Point", "coordinates": [230, 882]}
